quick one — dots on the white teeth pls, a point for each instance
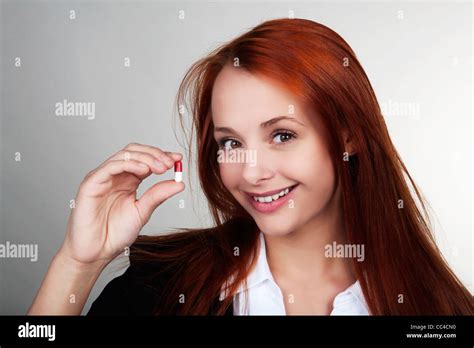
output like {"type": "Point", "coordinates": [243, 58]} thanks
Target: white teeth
{"type": "Point", "coordinates": [274, 197]}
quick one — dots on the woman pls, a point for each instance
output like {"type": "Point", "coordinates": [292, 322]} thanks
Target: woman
{"type": "Point", "coordinates": [296, 162]}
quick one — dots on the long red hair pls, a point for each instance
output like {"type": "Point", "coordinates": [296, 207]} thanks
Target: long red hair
{"type": "Point", "coordinates": [402, 260]}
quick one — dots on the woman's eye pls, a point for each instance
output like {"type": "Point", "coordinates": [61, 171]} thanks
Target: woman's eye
{"type": "Point", "coordinates": [228, 144]}
{"type": "Point", "coordinates": [279, 138]}
{"type": "Point", "coordinates": [283, 137]}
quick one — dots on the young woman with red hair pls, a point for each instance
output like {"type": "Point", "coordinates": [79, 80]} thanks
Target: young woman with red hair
{"type": "Point", "coordinates": [325, 175]}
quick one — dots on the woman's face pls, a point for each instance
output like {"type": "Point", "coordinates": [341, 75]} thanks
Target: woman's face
{"type": "Point", "coordinates": [270, 147]}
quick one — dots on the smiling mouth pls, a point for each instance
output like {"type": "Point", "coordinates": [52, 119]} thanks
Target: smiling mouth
{"type": "Point", "coordinates": [274, 197]}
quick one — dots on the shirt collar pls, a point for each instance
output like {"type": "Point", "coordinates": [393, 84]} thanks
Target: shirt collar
{"type": "Point", "coordinates": [261, 270]}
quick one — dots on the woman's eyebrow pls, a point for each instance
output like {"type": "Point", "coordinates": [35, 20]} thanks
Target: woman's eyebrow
{"type": "Point", "coordinates": [262, 125]}
{"type": "Point", "coordinates": [277, 119]}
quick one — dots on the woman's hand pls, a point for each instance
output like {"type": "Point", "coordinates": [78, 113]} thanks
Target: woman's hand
{"type": "Point", "coordinates": [107, 217]}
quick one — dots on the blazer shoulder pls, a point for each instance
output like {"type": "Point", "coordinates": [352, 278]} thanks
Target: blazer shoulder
{"type": "Point", "coordinates": [135, 292]}
{"type": "Point", "coordinates": [140, 288]}
{"type": "Point", "coordinates": [126, 294]}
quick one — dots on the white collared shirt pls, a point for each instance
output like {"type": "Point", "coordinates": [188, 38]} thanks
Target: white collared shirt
{"type": "Point", "coordinates": [265, 297]}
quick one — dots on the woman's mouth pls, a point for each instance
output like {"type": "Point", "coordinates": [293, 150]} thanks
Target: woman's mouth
{"type": "Point", "coordinates": [272, 200]}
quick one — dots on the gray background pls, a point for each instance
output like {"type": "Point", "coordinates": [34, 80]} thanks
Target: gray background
{"type": "Point", "coordinates": [424, 58]}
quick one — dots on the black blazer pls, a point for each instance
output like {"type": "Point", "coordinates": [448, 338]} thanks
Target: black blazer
{"type": "Point", "coordinates": [130, 294]}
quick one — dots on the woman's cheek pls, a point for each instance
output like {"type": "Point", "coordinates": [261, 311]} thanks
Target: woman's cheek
{"type": "Point", "coordinates": [230, 175]}
{"type": "Point", "coordinates": [322, 182]}
{"type": "Point", "coordinates": [312, 168]}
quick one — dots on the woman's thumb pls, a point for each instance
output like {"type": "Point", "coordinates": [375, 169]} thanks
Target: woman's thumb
{"type": "Point", "coordinates": [156, 195]}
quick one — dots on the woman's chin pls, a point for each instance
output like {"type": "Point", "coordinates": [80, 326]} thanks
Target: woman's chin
{"type": "Point", "coordinates": [276, 226]}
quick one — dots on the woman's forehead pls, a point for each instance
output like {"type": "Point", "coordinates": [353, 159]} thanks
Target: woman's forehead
{"type": "Point", "coordinates": [240, 96]}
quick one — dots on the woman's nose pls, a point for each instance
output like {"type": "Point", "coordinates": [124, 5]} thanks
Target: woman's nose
{"type": "Point", "coordinates": [261, 169]}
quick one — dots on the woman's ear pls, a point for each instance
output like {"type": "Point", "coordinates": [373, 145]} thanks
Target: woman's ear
{"type": "Point", "coordinates": [348, 143]}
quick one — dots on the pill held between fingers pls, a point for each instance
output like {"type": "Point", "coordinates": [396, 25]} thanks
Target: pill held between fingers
{"type": "Point", "coordinates": [178, 171]}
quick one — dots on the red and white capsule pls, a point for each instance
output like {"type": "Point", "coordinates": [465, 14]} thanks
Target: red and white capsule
{"type": "Point", "coordinates": [178, 171]}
